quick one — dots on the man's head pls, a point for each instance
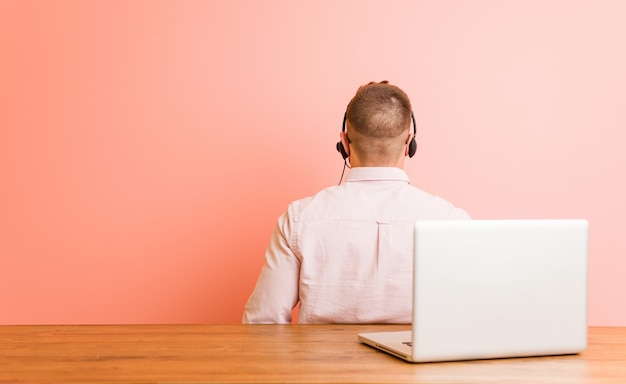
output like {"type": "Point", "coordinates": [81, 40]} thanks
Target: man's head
{"type": "Point", "coordinates": [378, 121]}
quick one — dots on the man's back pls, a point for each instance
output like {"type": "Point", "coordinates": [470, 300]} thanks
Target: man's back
{"type": "Point", "coordinates": [353, 244]}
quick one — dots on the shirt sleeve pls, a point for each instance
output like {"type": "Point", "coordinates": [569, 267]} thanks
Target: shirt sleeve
{"type": "Point", "coordinates": [458, 214]}
{"type": "Point", "coordinates": [276, 291]}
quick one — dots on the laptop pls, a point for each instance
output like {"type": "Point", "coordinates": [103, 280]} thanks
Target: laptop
{"type": "Point", "coordinates": [485, 289]}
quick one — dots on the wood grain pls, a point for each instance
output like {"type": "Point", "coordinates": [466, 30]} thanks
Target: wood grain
{"type": "Point", "coordinates": [270, 354]}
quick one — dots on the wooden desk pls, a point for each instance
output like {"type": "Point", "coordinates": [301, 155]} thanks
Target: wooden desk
{"type": "Point", "coordinates": [270, 353]}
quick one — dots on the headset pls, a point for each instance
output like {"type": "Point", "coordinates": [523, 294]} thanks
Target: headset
{"type": "Point", "coordinates": [412, 144]}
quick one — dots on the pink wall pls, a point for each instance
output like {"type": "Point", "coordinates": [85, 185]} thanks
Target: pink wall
{"type": "Point", "coordinates": [147, 147]}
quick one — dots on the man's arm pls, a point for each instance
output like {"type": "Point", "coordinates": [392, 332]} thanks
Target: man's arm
{"type": "Point", "coordinates": [276, 291]}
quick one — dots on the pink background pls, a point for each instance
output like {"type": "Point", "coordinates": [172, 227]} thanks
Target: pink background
{"type": "Point", "coordinates": [148, 147]}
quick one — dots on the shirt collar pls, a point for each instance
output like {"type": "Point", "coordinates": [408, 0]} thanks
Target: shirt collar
{"type": "Point", "coordinates": [377, 174]}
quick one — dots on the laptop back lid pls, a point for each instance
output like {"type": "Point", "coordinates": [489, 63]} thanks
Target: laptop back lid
{"type": "Point", "coordinates": [499, 288]}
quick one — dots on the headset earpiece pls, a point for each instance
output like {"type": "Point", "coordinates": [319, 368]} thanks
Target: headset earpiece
{"type": "Point", "coordinates": [412, 147]}
{"type": "Point", "coordinates": [340, 147]}
{"type": "Point", "coordinates": [341, 150]}
{"type": "Point", "coordinates": [413, 143]}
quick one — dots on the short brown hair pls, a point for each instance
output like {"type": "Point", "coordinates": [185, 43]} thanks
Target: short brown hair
{"type": "Point", "coordinates": [380, 110]}
{"type": "Point", "coordinates": [378, 115]}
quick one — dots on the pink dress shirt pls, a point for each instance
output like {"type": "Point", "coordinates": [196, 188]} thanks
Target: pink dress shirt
{"type": "Point", "coordinates": [346, 253]}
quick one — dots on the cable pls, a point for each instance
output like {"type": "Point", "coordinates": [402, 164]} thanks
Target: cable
{"type": "Point", "coordinates": [345, 164]}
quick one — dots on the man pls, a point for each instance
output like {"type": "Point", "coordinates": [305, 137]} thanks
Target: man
{"type": "Point", "coordinates": [345, 254]}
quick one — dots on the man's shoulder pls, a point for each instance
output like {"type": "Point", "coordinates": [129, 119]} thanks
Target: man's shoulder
{"type": "Point", "coordinates": [319, 199]}
{"type": "Point", "coordinates": [301, 202]}
{"type": "Point", "coordinates": [408, 198]}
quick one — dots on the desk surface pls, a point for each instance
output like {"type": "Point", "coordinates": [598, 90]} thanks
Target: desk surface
{"type": "Point", "coordinates": [271, 353]}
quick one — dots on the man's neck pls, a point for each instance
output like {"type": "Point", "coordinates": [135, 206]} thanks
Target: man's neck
{"type": "Point", "coordinates": [356, 162]}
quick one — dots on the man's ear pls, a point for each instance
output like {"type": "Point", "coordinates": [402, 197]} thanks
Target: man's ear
{"type": "Point", "coordinates": [411, 146]}
{"type": "Point", "coordinates": [407, 144]}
